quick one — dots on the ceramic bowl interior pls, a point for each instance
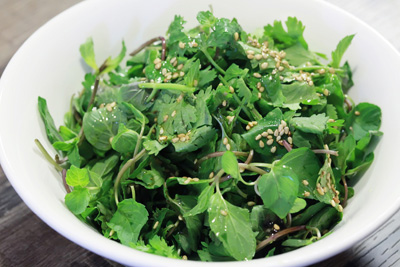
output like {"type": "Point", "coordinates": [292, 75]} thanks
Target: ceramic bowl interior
{"type": "Point", "coordinates": [49, 65]}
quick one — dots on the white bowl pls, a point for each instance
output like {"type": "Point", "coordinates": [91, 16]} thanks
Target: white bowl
{"type": "Point", "coordinates": [49, 65]}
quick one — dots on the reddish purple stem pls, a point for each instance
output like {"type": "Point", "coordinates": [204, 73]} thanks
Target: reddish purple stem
{"type": "Point", "coordinates": [64, 175]}
{"type": "Point", "coordinates": [149, 42]}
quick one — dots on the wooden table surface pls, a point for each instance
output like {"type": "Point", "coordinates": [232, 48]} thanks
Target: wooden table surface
{"type": "Point", "coordinates": [27, 241]}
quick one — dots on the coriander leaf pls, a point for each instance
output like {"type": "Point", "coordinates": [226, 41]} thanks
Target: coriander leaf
{"type": "Point", "coordinates": [128, 220]}
{"type": "Point", "coordinates": [278, 189]}
{"type": "Point", "coordinates": [232, 227]}
{"type": "Point", "coordinates": [77, 200]}
{"type": "Point", "coordinates": [340, 50]}
{"type": "Point", "coordinates": [206, 20]}
{"type": "Point", "coordinates": [87, 53]}
{"type": "Point", "coordinates": [77, 177]}
{"type": "Point", "coordinates": [158, 246]}
{"type": "Point", "coordinates": [150, 179]}
{"type": "Point", "coordinates": [297, 55]}
{"type": "Point", "coordinates": [51, 130]}
{"type": "Point", "coordinates": [243, 92]}
{"type": "Point", "coordinates": [285, 39]}
{"type": "Point", "coordinates": [315, 124]}
{"type": "Point", "coordinates": [235, 72]}
{"type": "Point", "coordinates": [299, 93]}
{"type": "Point", "coordinates": [153, 146]}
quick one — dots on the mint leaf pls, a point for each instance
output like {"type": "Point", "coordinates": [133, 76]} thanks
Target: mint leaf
{"type": "Point", "coordinates": [77, 177]}
{"type": "Point", "coordinates": [128, 221]}
{"type": "Point", "coordinates": [203, 201]}
{"type": "Point", "coordinates": [77, 200]}
{"type": "Point", "coordinates": [87, 53]}
{"type": "Point", "coordinates": [125, 140]}
{"type": "Point", "coordinates": [232, 227]}
{"type": "Point", "coordinates": [278, 190]}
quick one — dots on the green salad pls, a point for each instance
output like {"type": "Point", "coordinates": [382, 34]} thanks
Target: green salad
{"type": "Point", "coordinates": [212, 143]}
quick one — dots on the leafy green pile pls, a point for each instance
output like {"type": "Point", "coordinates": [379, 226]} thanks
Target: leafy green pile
{"type": "Point", "coordinates": [214, 144]}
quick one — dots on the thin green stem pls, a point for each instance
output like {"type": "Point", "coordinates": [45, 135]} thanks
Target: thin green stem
{"type": "Point", "coordinates": [252, 168]}
{"type": "Point", "coordinates": [311, 68]}
{"type": "Point", "coordinates": [133, 192]}
{"type": "Point", "coordinates": [216, 66]}
{"type": "Point", "coordinates": [168, 86]}
{"type": "Point", "coordinates": [47, 156]}
{"type": "Point", "coordinates": [260, 164]}
{"type": "Point", "coordinates": [126, 167]}
{"type": "Point", "coordinates": [219, 154]}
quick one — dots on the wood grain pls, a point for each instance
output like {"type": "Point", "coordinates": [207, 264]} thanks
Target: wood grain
{"type": "Point", "coordinates": [27, 241]}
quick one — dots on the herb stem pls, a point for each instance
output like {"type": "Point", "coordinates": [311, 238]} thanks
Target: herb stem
{"type": "Point", "coordinates": [261, 164]}
{"type": "Point", "coordinates": [216, 66]}
{"type": "Point", "coordinates": [126, 166]}
{"type": "Point", "coordinates": [64, 175]}
{"type": "Point", "coordinates": [280, 234]}
{"type": "Point", "coordinates": [346, 191]}
{"type": "Point", "coordinates": [326, 151]}
{"type": "Point", "coordinates": [253, 168]}
{"type": "Point", "coordinates": [47, 155]}
{"type": "Point", "coordinates": [167, 86]}
{"type": "Point", "coordinates": [149, 42]}
{"type": "Point", "coordinates": [311, 68]}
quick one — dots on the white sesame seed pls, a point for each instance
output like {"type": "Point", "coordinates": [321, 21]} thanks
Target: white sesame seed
{"type": "Point", "coordinates": [196, 179]}
{"type": "Point", "coordinates": [286, 130]}
{"type": "Point", "coordinates": [357, 113]}
{"type": "Point", "coordinates": [161, 130]}
{"type": "Point", "coordinates": [228, 147]}
{"type": "Point", "coordinates": [264, 65]}
{"type": "Point", "coordinates": [173, 113]}
{"type": "Point", "coordinates": [284, 124]}
{"type": "Point", "coordinates": [320, 191]}
{"type": "Point", "coordinates": [195, 83]}
{"type": "Point", "coordinates": [326, 92]}
{"type": "Point", "coordinates": [236, 36]}
{"type": "Point", "coordinates": [157, 60]}
{"type": "Point", "coordinates": [257, 75]}
{"type": "Point", "coordinates": [224, 103]}
{"type": "Point", "coordinates": [224, 213]}
{"type": "Point", "coordinates": [340, 208]}
{"type": "Point", "coordinates": [270, 131]}
{"type": "Point", "coordinates": [248, 127]}
{"type": "Point", "coordinates": [305, 182]}
{"type": "Point", "coordinates": [270, 142]}
{"type": "Point", "coordinates": [255, 122]}
{"type": "Point", "coordinates": [276, 227]}
{"type": "Point", "coordinates": [225, 141]}
{"type": "Point", "coordinates": [258, 57]}
{"type": "Point", "coordinates": [290, 140]}
{"type": "Point", "coordinates": [280, 127]}
{"type": "Point", "coordinates": [163, 138]}
{"type": "Point", "coordinates": [261, 144]}
{"type": "Point", "coordinates": [321, 71]}
{"type": "Point", "coordinates": [231, 89]}
{"type": "Point", "coordinates": [281, 133]}
{"type": "Point", "coordinates": [333, 203]}
{"type": "Point", "coordinates": [264, 134]}
{"type": "Point", "coordinates": [250, 52]}
{"type": "Point", "coordinates": [265, 56]}
{"type": "Point", "coordinates": [157, 66]}
{"type": "Point", "coordinates": [169, 77]}
{"type": "Point", "coordinates": [280, 68]}
{"type": "Point", "coordinates": [270, 137]}
{"type": "Point", "coordinates": [180, 66]}
{"type": "Point", "coordinates": [155, 225]}
{"type": "Point", "coordinates": [278, 138]}
{"type": "Point", "coordinates": [306, 194]}
{"type": "Point", "coordinates": [181, 74]}
{"type": "Point", "coordinates": [258, 137]}
{"type": "Point", "coordinates": [250, 56]}
{"type": "Point", "coordinates": [261, 89]}
{"type": "Point", "coordinates": [259, 95]}
{"type": "Point", "coordinates": [182, 45]}
{"type": "Point", "coordinates": [281, 78]}
{"type": "Point", "coordinates": [175, 75]}
{"type": "Point", "coordinates": [251, 203]}
{"type": "Point", "coordinates": [174, 140]}
{"type": "Point", "coordinates": [194, 44]}
{"type": "Point", "coordinates": [184, 257]}
{"type": "Point", "coordinates": [276, 132]}
{"type": "Point", "coordinates": [273, 149]}
{"type": "Point", "coordinates": [182, 139]}
{"type": "Point", "coordinates": [173, 60]}
{"type": "Point", "coordinates": [211, 175]}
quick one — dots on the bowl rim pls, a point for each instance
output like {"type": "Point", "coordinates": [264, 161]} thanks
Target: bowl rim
{"type": "Point", "coordinates": [41, 213]}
